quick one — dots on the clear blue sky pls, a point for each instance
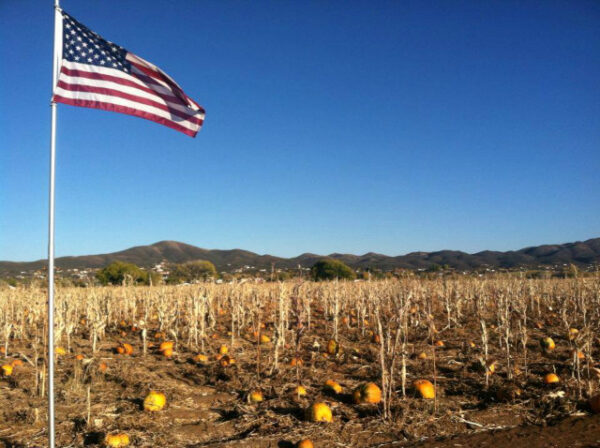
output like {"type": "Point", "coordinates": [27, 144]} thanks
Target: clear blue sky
{"type": "Point", "coordinates": [330, 127]}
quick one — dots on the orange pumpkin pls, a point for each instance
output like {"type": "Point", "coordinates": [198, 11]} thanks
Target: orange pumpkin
{"type": "Point", "coordinates": [116, 440]}
{"type": "Point", "coordinates": [201, 359]}
{"type": "Point", "coordinates": [367, 393]}
{"type": "Point", "coordinates": [296, 362]}
{"type": "Point", "coordinates": [300, 391]}
{"type": "Point", "coordinates": [551, 378]}
{"type": "Point", "coordinates": [333, 386]}
{"type": "Point", "coordinates": [128, 348]}
{"type": "Point", "coordinates": [547, 344]}
{"type": "Point", "coordinates": [255, 396]}
{"type": "Point", "coordinates": [332, 347]}
{"type": "Point", "coordinates": [165, 346]}
{"type": "Point", "coordinates": [154, 401]}
{"type": "Point", "coordinates": [319, 412]}
{"type": "Point", "coordinates": [425, 389]}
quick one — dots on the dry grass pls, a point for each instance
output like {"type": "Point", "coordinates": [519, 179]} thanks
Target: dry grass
{"type": "Point", "coordinates": [380, 327]}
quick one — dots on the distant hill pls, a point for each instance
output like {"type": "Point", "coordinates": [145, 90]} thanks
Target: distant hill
{"type": "Point", "coordinates": [579, 253]}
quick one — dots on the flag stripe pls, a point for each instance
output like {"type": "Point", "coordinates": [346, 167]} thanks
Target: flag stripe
{"type": "Point", "coordinates": [122, 93]}
{"type": "Point", "coordinates": [171, 87]}
{"type": "Point", "coordinates": [91, 97]}
{"type": "Point", "coordinates": [136, 112]}
{"type": "Point", "coordinates": [110, 84]}
{"type": "Point", "coordinates": [95, 80]}
{"type": "Point", "coordinates": [117, 76]}
{"type": "Point", "coordinates": [156, 73]}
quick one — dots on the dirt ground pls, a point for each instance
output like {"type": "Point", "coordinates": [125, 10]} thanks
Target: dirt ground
{"type": "Point", "coordinates": [207, 405]}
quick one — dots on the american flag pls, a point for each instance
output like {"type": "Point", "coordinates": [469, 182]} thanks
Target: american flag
{"type": "Point", "coordinates": [99, 74]}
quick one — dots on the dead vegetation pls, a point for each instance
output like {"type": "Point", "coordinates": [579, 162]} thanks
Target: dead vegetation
{"type": "Point", "coordinates": [478, 341]}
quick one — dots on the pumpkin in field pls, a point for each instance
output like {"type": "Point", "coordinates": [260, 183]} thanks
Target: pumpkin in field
{"type": "Point", "coordinates": [547, 344]}
{"type": "Point", "coordinates": [333, 386]}
{"type": "Point", "coordinates": [578, 354]}
{"type": "Point", "coordinates": [264, 339]}
{"type": "Point", "coordinates": [154, 401]}
{"type": "Point", "coordinates": [422, 355]}
{"type": "Point", "coordinates": [116, 440]}
{"type": "Point", "coordinates": [573, 332]}
{"type": "Point", "coordinates": [319, 412]}
{"type": "Point", "coordinates": [102, 367]}
{"type": "Point", "coordinates": [128, 348]}
{"type": "Point", "coordinates": [79, 357]}
{"type": "Point", "coordinates": [256, 396]}
{"type": "Point", "coordinates": [367, 393]}
{"type": "Point", "coordinates": [223, 350]}
{"type": "Point", "coordinates": [165, 346]}
{"type": "Point", "coordinates": [296, 362]}
{"type": "Point", "coordinates": [551, 378]}
{"type": "Point", "coordinates": [595, 404]}
{"type": "Point", "coordinates": [167, 353]}
{"type": "Point", "coordinates": [7, 370]}
{"type": "Point", "coordinates": [226, 361]}
{"type": "Point", "coordinates": [439, 343]}
{"type": "Point", "coordinates": [425, 389]}
{"type": "Point", "coordinates": [59, 351]}
{"type": "Point", "coordinates": [16, 362]}
{"type": "Point", "coordinates": [299, 391]}
{"type": "Point", "coordinates": [306, 443]}
{"type": "Point", "coordinates": [201, 359]}
{"type": "Point", "coordinates": [332, 347]}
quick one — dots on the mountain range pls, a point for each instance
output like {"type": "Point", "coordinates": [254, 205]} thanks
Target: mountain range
{"type": "Point", "coordinates": [581, 253]}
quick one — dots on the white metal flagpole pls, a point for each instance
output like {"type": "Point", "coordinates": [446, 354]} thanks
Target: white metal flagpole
{"type": "Point", "coordinates": [57, 55]}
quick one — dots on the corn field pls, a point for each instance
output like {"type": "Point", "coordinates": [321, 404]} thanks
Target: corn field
{"type": "Point", "coordinates": [240, 351]}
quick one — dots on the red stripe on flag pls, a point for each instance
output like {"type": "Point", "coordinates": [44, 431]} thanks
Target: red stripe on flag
{"type": "Point", "coordinates": [121, 81]}
{"type": "Point", "coordinates": [124, 110]}
{"type": "Point", "coordinates": [138, 99]}
{"type": "Point", "coordinates": [153, 74]}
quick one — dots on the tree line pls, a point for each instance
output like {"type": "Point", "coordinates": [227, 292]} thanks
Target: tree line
{"type": "Point", "coordinates": [122, 273]}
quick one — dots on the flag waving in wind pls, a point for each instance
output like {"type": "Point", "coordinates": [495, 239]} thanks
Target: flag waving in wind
{"type": "Point", "coordinates": [99, 74]}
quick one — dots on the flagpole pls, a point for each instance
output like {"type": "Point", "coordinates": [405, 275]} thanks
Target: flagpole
{"type": "Point", "coordinates": [55, 65]}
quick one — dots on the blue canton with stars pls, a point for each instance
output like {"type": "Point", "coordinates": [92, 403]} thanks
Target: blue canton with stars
{"type": "Point", "coordinates": [86, 47]}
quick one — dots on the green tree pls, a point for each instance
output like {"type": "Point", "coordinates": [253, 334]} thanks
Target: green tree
{"type": "Point", "coordinates": [119, 273]}
{"type": "Point", "coordinates": [329, 269]}
{"type": "Point", "coordinates": [192, 271]}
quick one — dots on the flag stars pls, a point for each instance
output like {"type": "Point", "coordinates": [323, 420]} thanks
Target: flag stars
{"type": "Point", "coordinates": [85, 46]}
